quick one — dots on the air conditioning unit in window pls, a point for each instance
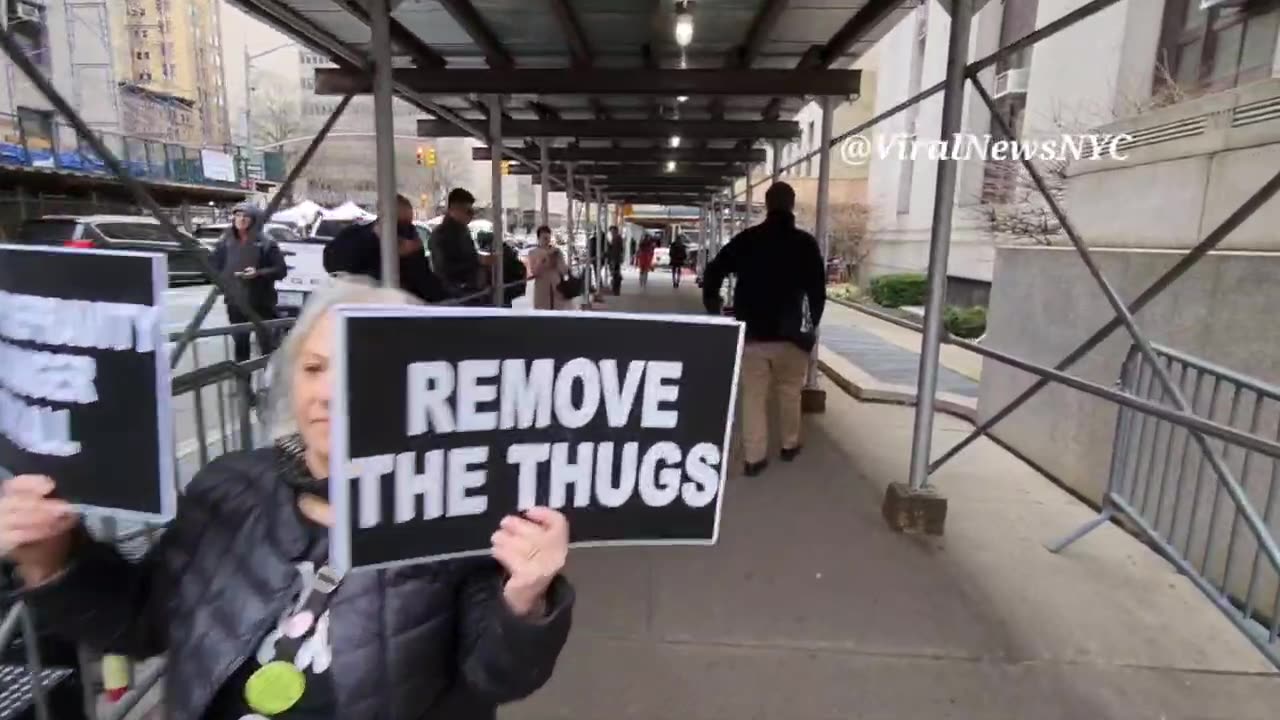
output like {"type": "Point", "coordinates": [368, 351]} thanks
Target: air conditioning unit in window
{"type": "Point", "coordinates": [1013, 82]}
{"type": "Point", "coordinates": [1208, 4]}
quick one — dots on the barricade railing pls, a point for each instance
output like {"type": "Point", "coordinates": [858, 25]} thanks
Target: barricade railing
{"type": "Point", "coordinates": [220, 406]}
{"type": "Point", "coordinates": [1163, 488]}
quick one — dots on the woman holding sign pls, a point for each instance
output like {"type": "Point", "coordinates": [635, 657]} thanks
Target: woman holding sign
{"type": "Point", "coordinates": [256, 625]}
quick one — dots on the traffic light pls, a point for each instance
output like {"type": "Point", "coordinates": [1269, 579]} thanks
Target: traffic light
{"type": "Point", "coordinates": [419, 154]}
{"type": "Point", "coordinates": [506, 167]}
{"type": "Point", "coordinates": [431, 157]}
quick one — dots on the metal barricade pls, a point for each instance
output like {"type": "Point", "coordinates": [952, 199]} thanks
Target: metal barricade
{"type": "Point", "coordinates": [1171, 494]}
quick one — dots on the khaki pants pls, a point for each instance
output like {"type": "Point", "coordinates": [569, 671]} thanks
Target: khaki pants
{"type": "Point", "coordinates": [763, 364]}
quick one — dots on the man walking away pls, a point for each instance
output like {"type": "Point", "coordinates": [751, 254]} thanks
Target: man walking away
{"type": "Point", "coordinates": [781, 291]}
{"type": "Point", "coordinates": [357, 251]}
{"type": "Point", "coordinates": [454, 258]}
{"type": "Point", "coordinates": [615, 254]}
{"type": "Point", "coordinates": [252, 262]}
{"type": "Point", "coordinates": [678, 254]}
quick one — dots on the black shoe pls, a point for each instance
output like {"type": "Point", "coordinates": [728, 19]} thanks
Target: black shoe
{"type": "Point", "coordinates": [755, 468]}
{"type": "Point", "coordinates": [789, 454]}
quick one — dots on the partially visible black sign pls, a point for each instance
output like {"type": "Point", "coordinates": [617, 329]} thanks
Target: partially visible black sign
{"type": "Point", "coordinates": [445, 420]}
{"type": "Point", "coordinates": [84, 376]}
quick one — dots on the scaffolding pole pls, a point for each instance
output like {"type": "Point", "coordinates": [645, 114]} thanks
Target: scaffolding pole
{"type": "Point", "coordinates": [384, 126]}
{"type": "Point", "coordinates": [823, 230]}
{"type": "Point", "coordinates": [545, 170]}
{"type": "Point", "coordinates": [939, 244]}
{"type": "Point", "coordinates": [499, 216]}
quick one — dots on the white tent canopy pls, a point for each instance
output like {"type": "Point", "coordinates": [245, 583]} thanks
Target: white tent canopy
{"type": "Point", "coordinates": [346, 211]}
{"type": "Point", "coordinates": [301, 214]}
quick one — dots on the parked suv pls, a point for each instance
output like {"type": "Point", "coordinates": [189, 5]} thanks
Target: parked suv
{"type": "Point", "coordinates": [139, 233]}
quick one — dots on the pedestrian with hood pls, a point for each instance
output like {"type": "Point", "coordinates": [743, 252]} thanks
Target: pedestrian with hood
{"type": "Point", "coordinates": [252, 264]}
{"type": "Point", "coordinates": [779, 295]}
{"type": "Point", "coordinates": [357, 250]}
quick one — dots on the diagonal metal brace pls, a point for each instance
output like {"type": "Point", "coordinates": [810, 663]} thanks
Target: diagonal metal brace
{"type": "Point", "coordinates": [139, 192]}
{"type": "Point", "coordinates": [1205, 246]}
{"type": "Point", "coordinates": [198, 319]}
{"type": "Point", "coordinates": [1125, 317]}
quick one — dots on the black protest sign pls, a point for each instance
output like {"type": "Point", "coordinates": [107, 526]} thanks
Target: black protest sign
{"type": "Point", "coordinates": [445, 420]}
{"type": "Point", "coordinates": [84, 376]}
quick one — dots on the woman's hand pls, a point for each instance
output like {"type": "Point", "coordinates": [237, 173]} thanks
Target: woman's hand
{"type": "Point", "coordinates": [35, 529]}
{"type": "Point", "coordinates": [533, 551]}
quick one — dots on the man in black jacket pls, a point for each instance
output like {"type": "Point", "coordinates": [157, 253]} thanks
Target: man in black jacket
{"type": "Point", "coordinates": [252, 262]}
{"type": "Point", "coordinates": [454, 259]}
{"type": "Point", "coordinates": [781, 291]}
{"type": "Point", "coordinates": [357, 251]}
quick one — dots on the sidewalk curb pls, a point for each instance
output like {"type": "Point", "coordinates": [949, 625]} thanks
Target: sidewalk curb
{"type": "Point", "coordinates": [857, 383]}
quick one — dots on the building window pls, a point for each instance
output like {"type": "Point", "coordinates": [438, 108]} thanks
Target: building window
{"type": "Point", "coordinates": [1217, 48]}
{"type": "Point", "coordinates": [28, 22]}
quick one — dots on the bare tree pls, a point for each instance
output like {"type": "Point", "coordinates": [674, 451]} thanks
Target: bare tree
{"type": "Point", "coordinates": [276, 116]}
{"type": "Point", "coordinates": [445, 176]}
{"type": "Point", "coordinates": [848, 230]}
{"type": "Point", "coordinates": [1011, 203]}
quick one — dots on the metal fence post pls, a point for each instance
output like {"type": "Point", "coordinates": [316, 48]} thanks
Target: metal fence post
{"type": "Point", "coordinates": [244, 390]}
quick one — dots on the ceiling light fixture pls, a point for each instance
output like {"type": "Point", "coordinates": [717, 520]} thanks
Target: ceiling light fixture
{"type": "Point", "coordinates": [682, 99]}
{"type": "Point", "coordinates": [671, 166]}
{"type": "Point", "coordinates": [675, 141]}
{"type": "Point", "coordinates": [684, 23]}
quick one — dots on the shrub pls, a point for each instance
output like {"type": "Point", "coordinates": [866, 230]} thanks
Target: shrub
{"type": "Point", "coordinates": [844, 291]}
{"type": "Point", "coordinates": [968, 323]}
{"type": "Point", "coordinates": [899, 290]}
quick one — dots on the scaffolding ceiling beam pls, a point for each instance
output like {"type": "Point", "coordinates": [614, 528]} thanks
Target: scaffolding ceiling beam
{"type": "Point", "coordinates": [624, 129]}
{"type": "Point", "coordinates": [641, 156]}
{"type": "Point", "coordinates": [603, 81]}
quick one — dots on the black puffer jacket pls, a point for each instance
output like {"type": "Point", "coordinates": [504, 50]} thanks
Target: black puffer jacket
{"type": "Point", "coordinates": [416, 642]}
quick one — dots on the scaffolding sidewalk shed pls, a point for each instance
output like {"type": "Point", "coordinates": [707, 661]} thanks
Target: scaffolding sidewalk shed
{"type": "Point", "coordinates": [618, 104]}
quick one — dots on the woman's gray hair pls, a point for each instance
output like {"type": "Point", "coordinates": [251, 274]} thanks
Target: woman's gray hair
{"type": "Point", "coordinates": [344, 290]}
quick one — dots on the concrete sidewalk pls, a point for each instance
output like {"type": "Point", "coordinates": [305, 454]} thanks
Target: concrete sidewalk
{"type": "Point", "coordinates": [875, 360]}
{"type": "Point", "coordinates": [810, 608]}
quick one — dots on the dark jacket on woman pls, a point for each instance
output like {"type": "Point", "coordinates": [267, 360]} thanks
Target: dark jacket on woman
{"type": "Point", "coordinates": [261, 252]}
{"type": "Point", "coordinates": [416, 642]}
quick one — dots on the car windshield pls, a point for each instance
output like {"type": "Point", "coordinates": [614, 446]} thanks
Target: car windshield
{"type": "Point", "coordinates": [150, 232]}
{"type": "Point", "coordinates": [209, 232]}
